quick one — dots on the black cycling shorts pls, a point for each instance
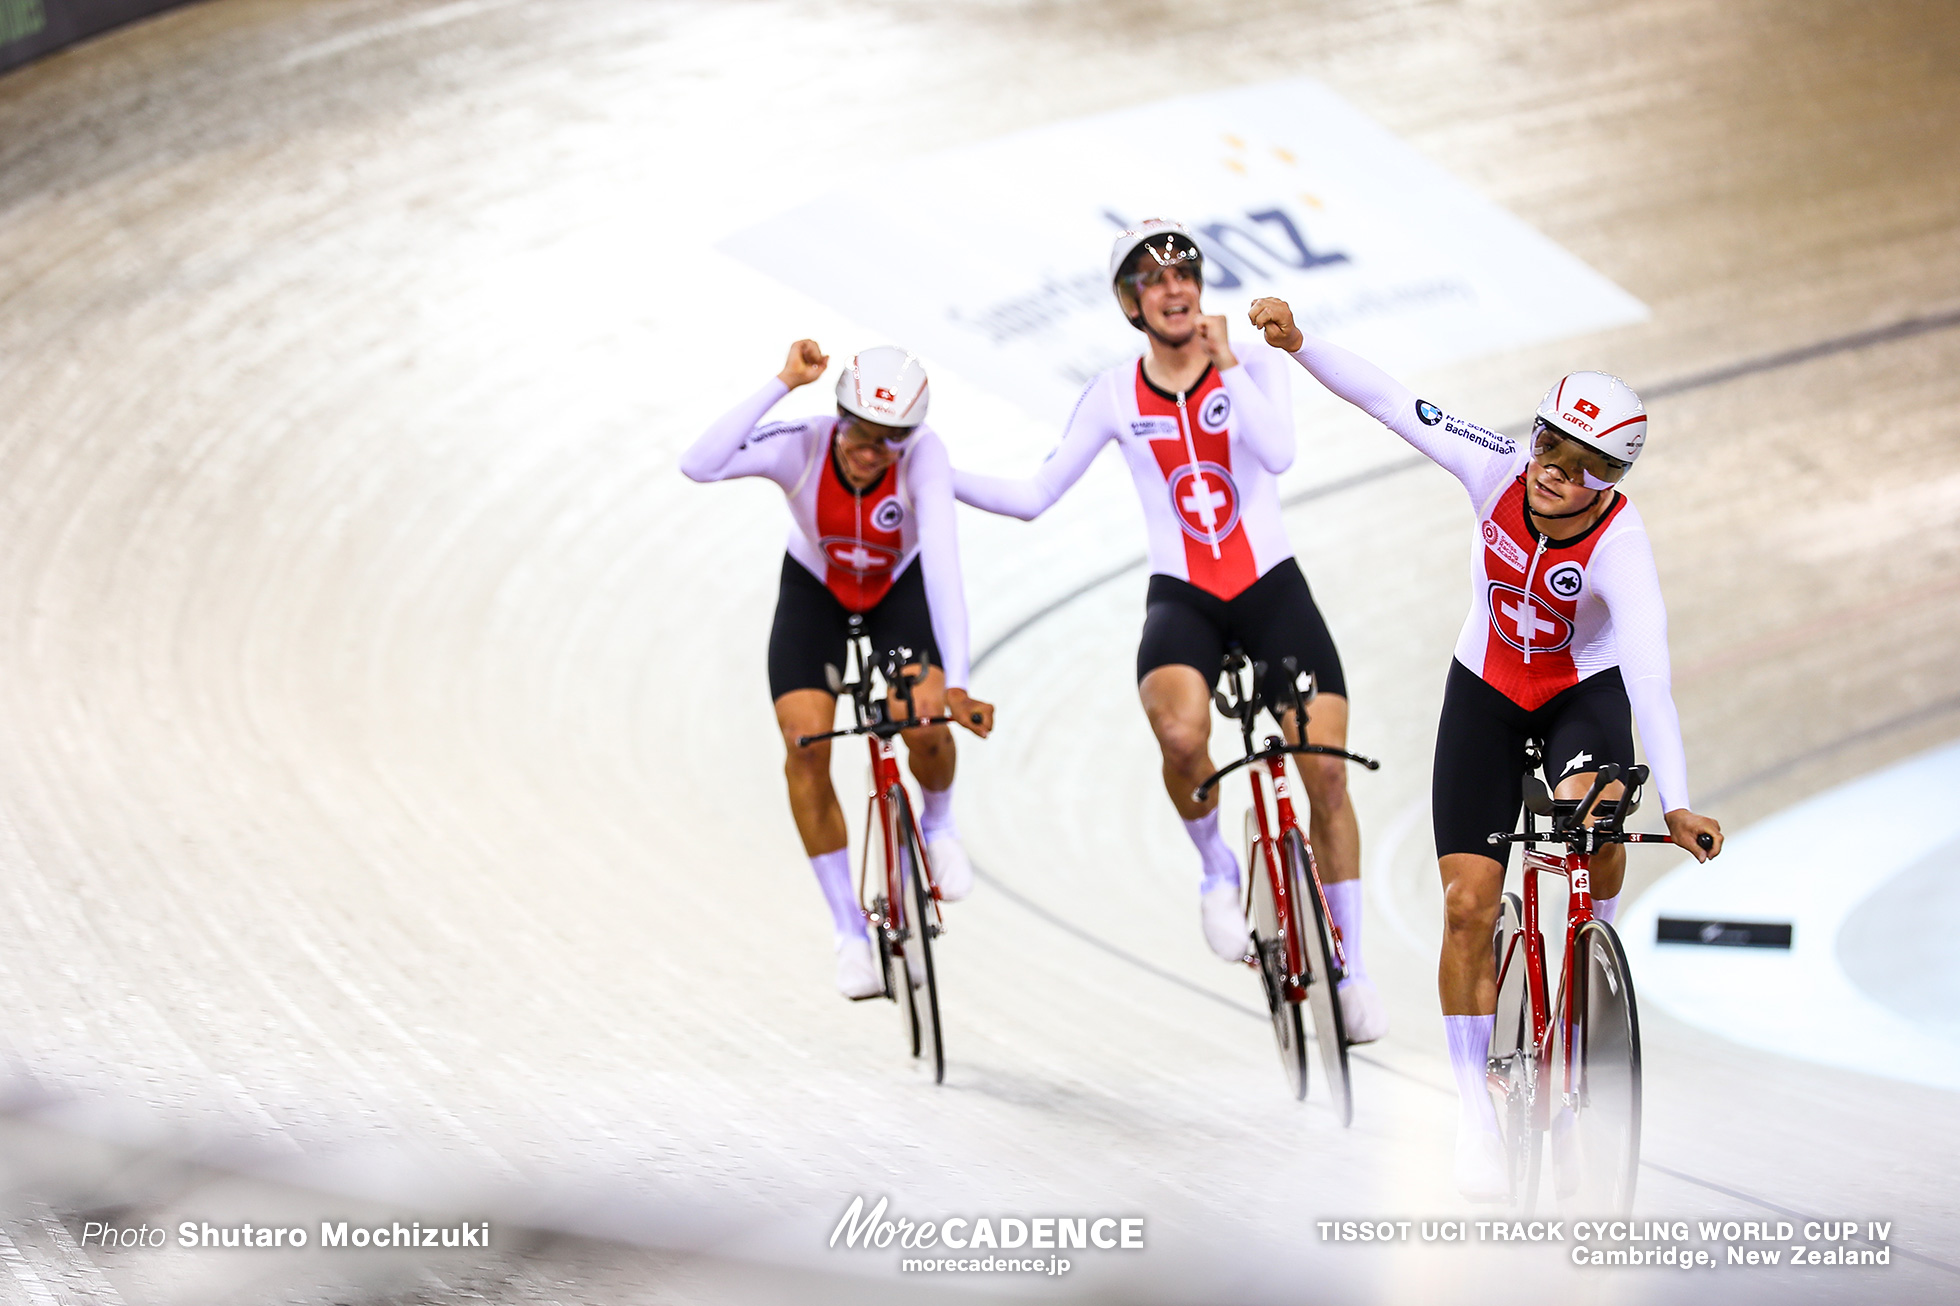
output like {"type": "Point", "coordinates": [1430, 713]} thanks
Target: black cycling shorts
{"type": "Point", "coordinates": [1273, 618]}
{"type": "Point", "coordinates": [812, 628]}
{"type": "Point", "coordinates": [1475, 791]}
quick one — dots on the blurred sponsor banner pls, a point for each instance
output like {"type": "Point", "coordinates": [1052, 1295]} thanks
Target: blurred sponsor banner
{"type": "Point", "coordinates": [32, 28]}
{"type": "Point", "coordinates": [992, 258]}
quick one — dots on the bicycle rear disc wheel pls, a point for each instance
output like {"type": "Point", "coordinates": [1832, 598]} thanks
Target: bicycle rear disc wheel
{"type": "Point", "coordinates": [1596, 1148]}
{"type": "Point", "coordinates": [1269, 949]}
{"type": "Point", "coordinates": [1513, 1059]}
{"type": "Point", "coordinates": [1323, 989]}
{"type": "Point", "coordinates": [925, 1002]}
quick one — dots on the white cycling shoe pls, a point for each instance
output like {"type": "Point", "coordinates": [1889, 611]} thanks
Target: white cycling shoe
{"type": "Point", "coordinates": [857, 969]}
{"type": "Point", "coordinates": [952, 873]}
{"type": "Point", "coordinates": [1363, 1014]}
{"type": "Point", "coordinates": [1481, 1173]}
{"type": "Point", "coordinates": [1224, 920]}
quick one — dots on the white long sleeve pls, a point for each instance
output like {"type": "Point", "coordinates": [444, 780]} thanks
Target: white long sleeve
{"type": "Point", "coordinates": [1480, 458]}
{"type": "Point", "coordinates": [738, 445]}
{"type": "Point", "coordinates": [1262, 394]}
{"type": "Point", "coordinates": [1089, 427]}
{"type": "Point", "coordinates": [1622, 575]}
{"type": "Point", "coordinates": [929, 475]}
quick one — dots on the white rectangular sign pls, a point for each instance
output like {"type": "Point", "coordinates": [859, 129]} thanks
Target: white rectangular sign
{"type": "Point", "coordinates": [992, 258]}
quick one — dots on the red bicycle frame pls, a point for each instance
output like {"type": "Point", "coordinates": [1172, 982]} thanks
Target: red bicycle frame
{"type": "Point", "coordinates": [884, 775]}
{"type": "Point", "coordinates": [1270, 839]}
{"type": "Point", "coordinates": [1576, 867]}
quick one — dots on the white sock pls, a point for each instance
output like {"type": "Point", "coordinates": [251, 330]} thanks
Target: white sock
{"type": "Point", "coordinates": [1344, 905]}
{"type": "Point", "coordinates": [936, 813]}
{"type": "Point", "coordinates": [1469, 1038]}
{"type": "Point", "coordinates": [1606, 908]}
{"type": "Point", "coordinates": [1220, 865]}
{"type": "Point", "coordinates": [834, 878]}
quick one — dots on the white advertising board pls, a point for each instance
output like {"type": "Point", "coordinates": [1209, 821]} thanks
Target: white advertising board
{"type": "Point", "coordinates": [992, 258]}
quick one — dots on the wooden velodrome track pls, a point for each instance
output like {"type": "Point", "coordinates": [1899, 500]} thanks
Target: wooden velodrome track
{"type": "Point", "coordinates": [389, 813]}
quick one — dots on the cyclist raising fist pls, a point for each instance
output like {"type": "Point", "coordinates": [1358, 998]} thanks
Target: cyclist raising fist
{"type": "Point", "coordinates": [1205, 435]}
{"type": "Point", "coordinates": [871, 503]}
{"type": "Point", "coordinates": [1565, 642]}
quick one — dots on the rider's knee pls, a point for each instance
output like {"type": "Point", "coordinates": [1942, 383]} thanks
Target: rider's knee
{"type": "Point", "coordinates": [811, 760]}
{"type": "Point", "coordinates": [1325, 780]}
{"type": "Point", "coordinates": [928, 742]}
{"type": "Point", "coordinates": [1470, 907]}
{"type": "Point", "coordinates": [1184, 743]}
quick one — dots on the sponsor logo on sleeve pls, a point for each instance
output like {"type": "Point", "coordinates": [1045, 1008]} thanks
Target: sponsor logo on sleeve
{"type": "Point", "coordinates": [1490, 440]}
{"type": "Point", "coordinates": [1566, 580]}
{"type": "Point", "coordinates": [1427, 413]}
{"type": "Point", "coordinates": [1501, 543]}
{"type": "Point", "coordinates": [771, 431]}
{"type": "Point", "coordinates": [1215, 413]}
{"type": "Point", "coordinates": [888, 514]}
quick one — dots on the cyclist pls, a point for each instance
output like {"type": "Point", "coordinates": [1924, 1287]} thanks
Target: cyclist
{"type": "Point", "coordinates": [1205, 435]}
{"type": "Point", "coordinates": [1566, 640]}
{"type": "Point", "coordinates": [871, 502]}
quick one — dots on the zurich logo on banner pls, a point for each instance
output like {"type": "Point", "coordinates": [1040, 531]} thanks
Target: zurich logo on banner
{"type": "Point", "coordinates": [1206, 500]}
{"type": "Point", "coordinates": [1288, 189]}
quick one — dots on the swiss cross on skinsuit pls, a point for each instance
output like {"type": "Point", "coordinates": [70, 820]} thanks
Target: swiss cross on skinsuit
{"type": "Point", "coordinates": [858, 558]}
{"type": "Point", "coordinates": [1526, 621]}
{"type": "Point", "coordinates": [1206, 500]}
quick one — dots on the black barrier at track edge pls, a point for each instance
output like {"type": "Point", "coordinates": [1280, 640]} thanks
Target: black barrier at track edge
{"type": "Point", "coordinates": [1904, 329]}
{"type": "Point", "coordinates": [69, 22]}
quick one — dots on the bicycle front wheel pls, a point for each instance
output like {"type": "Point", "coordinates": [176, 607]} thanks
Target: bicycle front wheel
{"type": "Point", "coordinates": [1269, 949]}
{"type": "Point", "coordinates": [1322, 976]}
{"type": "Point", "coordinates": [1596, 1131]}
{"type": "Point", "coordinates": [923, 925]}
{"type": "Point", "coordinates": [1512, 1065]}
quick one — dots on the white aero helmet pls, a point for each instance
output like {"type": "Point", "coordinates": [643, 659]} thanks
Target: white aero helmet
{"type": "Point", "coordinates": [886, 385]}
{"type": "Point", "coordinates": [1167, 243]}
{"type": "Point", "coordinates": [1601, 413]}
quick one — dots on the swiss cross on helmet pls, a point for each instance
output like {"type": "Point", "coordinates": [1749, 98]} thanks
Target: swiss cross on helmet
{"type": "Point", "coordinates": [886, 385]}
{"type": "Point", "coordinates": [1600, 412]}
{"type": "Point", "coordinates": [1154, 244]}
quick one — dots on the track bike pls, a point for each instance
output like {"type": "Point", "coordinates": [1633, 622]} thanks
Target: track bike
{"type": "Point", "coordinates": [1567, 1064]}
{"type": "Point", "coordinates": [1295, 946]}
{"type": "Point", "coordinates": [902, 909]}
